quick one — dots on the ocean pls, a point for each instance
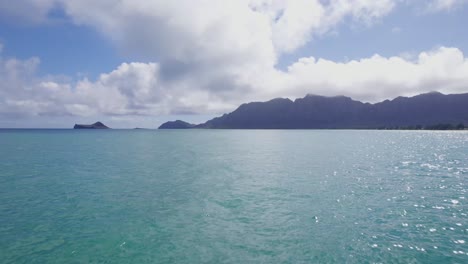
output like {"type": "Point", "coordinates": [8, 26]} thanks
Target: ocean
{"type": "Point", "coordinates": [233, 196]}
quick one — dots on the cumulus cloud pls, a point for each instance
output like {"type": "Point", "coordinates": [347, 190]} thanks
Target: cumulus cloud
{"type": "Point", "coordinates": [376, 78]}
{"type": "Point", "coordinates": [253, 30]}
{"type": "Point", "coordinates": [210, 56]}
{"type": "Point", "coordinates": [137, 89]}
{"type": "Point", "coordinates": [131, 89]}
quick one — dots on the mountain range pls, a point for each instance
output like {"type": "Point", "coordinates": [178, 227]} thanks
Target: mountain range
{"type": "Point", "coordinates": [340, 112]}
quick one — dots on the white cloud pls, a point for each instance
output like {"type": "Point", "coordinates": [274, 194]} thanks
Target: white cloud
{"type": "Point", "coordinates": [18, 93]}
{"type": "Point", "coordinates": [210, 56]}
{"type": "Point", "coordinates": [131, 89]}
{"type": "Point", "coordinates": [377, 77]}
{"type": "Point", "coordinates": [444, 5]}
{"type": "Point", "coordinates": [137, 88]}
{"type": "Point", "coordinates": [364, 10]}
{"type": "Point", "coordinates": [257, 29]}
{"type": "Point", "coordinates": [217, 48]}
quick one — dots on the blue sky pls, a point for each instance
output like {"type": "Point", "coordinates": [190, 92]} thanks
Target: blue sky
{"type": "Point", "coordinates": [64, 49]}
{"type": "Point", "coordinates": [141, 63]}
{"type": "Point", "coordinates": [403, 31]}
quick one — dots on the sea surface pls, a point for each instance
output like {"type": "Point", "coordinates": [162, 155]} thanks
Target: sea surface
{"type": "Point", "coordinates": [233, 196]}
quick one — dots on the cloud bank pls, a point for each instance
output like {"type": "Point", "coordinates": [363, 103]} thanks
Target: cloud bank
{"type": "Point", "coordinates": [210, 56]}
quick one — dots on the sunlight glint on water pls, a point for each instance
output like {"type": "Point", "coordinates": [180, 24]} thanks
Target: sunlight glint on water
{"type": "Point", "coordinates": [224, 196]}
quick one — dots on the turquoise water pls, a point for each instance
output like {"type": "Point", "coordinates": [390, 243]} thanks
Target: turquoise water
{"type": "Point", "coordinates": [226, 196]}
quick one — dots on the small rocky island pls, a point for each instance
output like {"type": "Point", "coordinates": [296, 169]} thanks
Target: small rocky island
{"type": "Point", "coordinates": [178, 124]}
{"type": "Point", "coordinates": [97, 125]}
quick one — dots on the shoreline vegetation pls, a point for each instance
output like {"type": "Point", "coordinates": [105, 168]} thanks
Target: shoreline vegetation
{"type": "Point", "coordinates": [417, 127]}
{"type": "Point", "coordinates": [180, 125]}
{"type": "Point", "coordinates": [433, 127]}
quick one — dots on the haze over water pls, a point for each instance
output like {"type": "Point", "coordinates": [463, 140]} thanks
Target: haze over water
{"type": "Point", "coordinates": [230, 196]}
